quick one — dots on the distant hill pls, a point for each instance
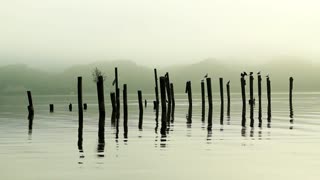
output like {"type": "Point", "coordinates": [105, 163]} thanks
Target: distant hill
{"type": "Point", "coordinates": [19, 78]}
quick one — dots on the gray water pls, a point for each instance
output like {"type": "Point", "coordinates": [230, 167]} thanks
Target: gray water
{"type": "Point", "coordinates": [289, 149]}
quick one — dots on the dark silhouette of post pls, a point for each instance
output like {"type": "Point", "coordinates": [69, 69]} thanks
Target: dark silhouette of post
{"type": "Point", "coordinates": [169, 98]}
{"type": "Point", "coordinates": [80, 111]}
{"type": "Point", "coordinates": [117, 90]}
{"type": "Point", "coordinates": [145, 103]}
{"type": "Point", "coordinates": [173, 102]}
{"type": "Point", "coordinates": [51, 107]}
{"type": "Point", "coordinates": [259, 97]}
{"type": "Point", "coordinates": [243, 94]}
{"type": "Point", "coordinates": [113, 102]}
{"type": "Point", "coordinates": [189, 91]}
{"type": "Point", "coordinates": [85, 106]}
{"type": "Point", "coordinates": [125, 111]}
{"type": "Point", "coordinates": [30, 118]}
{"type": "Point", "coordinates": [251, 101]}
{"type": "Point", "coordinates": [222, 101]}
{"type": "Point", "coordinates": [30, 106]}
{"type": "Point", "coordinates": [209, 103]}
{"type": "Point", "coordinates": [140, 109]}
{"type": "Point", "coordinates": [269, 99]}
{"type": "Point", "coordinates": [290, 90]}
{"type": "Point", "coordinates": [102, 110]}
{"type": "Point", "coordinates": [163, 105]}
{"type": "Point", "coordinates": [203, 101]}
{"type": "Point", "coordinates": [70, 107]}
{"type": "Point", "coordinates": [228, 97]}
{"type": "Point", "coordinates": [156, 89]}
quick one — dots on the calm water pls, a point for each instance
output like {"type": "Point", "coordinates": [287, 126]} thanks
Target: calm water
{"type": "Point", "coordinates": [289, 149]}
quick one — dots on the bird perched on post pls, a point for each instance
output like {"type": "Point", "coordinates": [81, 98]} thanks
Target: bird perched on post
{"type": "Point", "coordinates": [259, 73]}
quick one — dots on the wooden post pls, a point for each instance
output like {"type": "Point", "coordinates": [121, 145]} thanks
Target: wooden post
{"type": "Point", "coordinates": [290, 91]}
{"type": "Point", "coordinates": [51, 107]}
{"type": "Point", "coordinates": [173, 102]}
{"type": "Point", "coordinates": [30, 106]}
{"type": "Point", "coordinates": [203, 101]}
{"type": "Point", "coordinates": [251, 101]}
{"type": "Point", "coordinates": [259, 96]}
{"type": "Point", "coordinates": [145, 103]}
{"type": "Point", "coordinates": [80, 111]}
{"type": "Point", "coordinates": [125, 111]}
{"type": "Point", "coordinates": [113, 102]}
{"type": "Point", "coordinates": [189, 91]}
{"type": "Point", "coordinates": [117, 90]}
{"type": "Point", "coordinates": [168, 90]}
{"type": "Point", "coordinates": [102, 110]}
{"type": "Point", "coordinates": [140, 109]}
{"type": "Point", "coordinates": [222, 101]}
{"type": "Point", "coordinates": [209, 103]}
{"type": "Point", "coordinates": [269, 99]}
{"type": "Point", "coordinates": [156, 88]}
{"type": "Point", "coordinates": [70, 107]}
{"type": "Point", "coordinates": [243, 93]}
{"type": "Point", "coordinates": [163, 105]}
{"type": "Point", "coordinates": [85, 106]}
{"type": "Point", "coordinates": [228, 97]}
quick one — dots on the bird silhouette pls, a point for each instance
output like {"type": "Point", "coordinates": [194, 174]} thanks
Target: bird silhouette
{"type": "Point", "coordinates": [259, 73]}
{"type": "Point", "coordinates": [206, 76]}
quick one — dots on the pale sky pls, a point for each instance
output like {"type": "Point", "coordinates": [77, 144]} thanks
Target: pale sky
{"type": "Point", "coordinates": [157, 32]}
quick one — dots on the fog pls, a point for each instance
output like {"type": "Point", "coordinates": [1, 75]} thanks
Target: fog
{"type": "Point", "coordinates": [164, 32]}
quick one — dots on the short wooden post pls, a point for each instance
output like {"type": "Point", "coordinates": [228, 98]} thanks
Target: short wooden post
{"type": "Point", "coordinates": [113, 102]}
{"type": "Point", "coordinates": [290, 91]}
{"type": "Point", "coordinates": [80, 111]}
{"type": "Point", "coordinates": [243, 93]}
{"type": "Point", "coordinates": [30, 106]}
{"type": "Point", "coordinates": [210, 104]}
{"type": "Point", "coordinates": [125, 111]}
{"type": "Point", "coordinates": [70, 107]}
{"type": "Point", "coordinates": [259, 97]}
{"type": "Point", "coordinates": [251, 101]}
{"type": "Point", "coordinates": [269, 99]}
{"type": "Point", "coordinates": [51, 107]}
{"type": "Point", "coordinates": [85, 106]}
{"type": "Point", "coordinates": [102, 111]}
{"type": "Point", "coordinates": [189, 91]}
{"type": "Point", "coordinates": [140, 109]}
{"type": "Point", "coordinates": [203, 101]}
{"type": "Point", "coordinates": [163, 105]}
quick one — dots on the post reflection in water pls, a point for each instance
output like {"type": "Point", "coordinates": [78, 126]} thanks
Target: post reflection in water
{"type": "Point", "coordinates": [243, 132]}
{"type": "Point", "coordinates": [291, 116]}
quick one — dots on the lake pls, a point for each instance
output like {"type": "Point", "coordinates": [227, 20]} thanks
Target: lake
{"type": "Point", "coordinates": [289, 149]}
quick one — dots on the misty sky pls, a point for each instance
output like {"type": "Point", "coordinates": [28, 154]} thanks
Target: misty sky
{"type": "Point", "coordinates": [158, 32]}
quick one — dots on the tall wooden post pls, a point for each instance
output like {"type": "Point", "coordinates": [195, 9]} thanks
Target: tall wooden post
{"type": "Point", "coordinates": [168, 90]}
{"type": "Point", "coordinates": [125, 111]}
{"type": "Point", "coordinates": [102, 111]}
{"type": "Point", "coordinates": [203, 101]}
{"type": "Point", "coordinates": [243, 93]}
{"type": "Point", "coordinates": [80, 111]}
{"type": "Point", "coordinates": [117, 90]}
{"type": "Point", "coordinates": [259, 97]}
{"type": "Point", "coordinates": [140, 109]}
{"type": "Point", "coordinates": [189, 91]}
{"type": "Point", "coordinates": [228, 97]}
{"type": "Point", "coordinates": [290, 90]}
{"type": "Point", "coordinates": [222, 101]}
{"type": "Point", "coordinates": [173, 102]}
{"type": "Point", "coordinates": [251, 101]}
{"type": "Point", "coordinates": [113, 102]}
{"type": "Point", "coordinates": [30, 106]}
{"type": "Point", "coordinates": [163, 105]}
{"type": "Point", "coordinates": [210, 104]}
{"type": "Point", "coordinates": [269, 99]}
{"type": "Point", "coordinates": [156, 88]}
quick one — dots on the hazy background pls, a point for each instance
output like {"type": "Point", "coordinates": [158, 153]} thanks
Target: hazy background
{"type": "Point", "coordinates": [60, 33]}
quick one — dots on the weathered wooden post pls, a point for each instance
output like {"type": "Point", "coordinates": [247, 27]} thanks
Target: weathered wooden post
{"type": "Point", "coordinates": [259, 97]}
{"type": "Point", "coordinates": [102, 110]}
{"type": "Point", "coordinates": [252, 101]}
{"type": "Point", "coordinates": [70, 107]}
{"type": "Point", "coordinates": [243, 93]}
{"type": "Point", "coordinates": [189, 91]}
{"type": "Point", "coordinates": [51, 107]}
{"type": "Point", "coordinates": [269, 99]}
{"type": "Point", "coordinates": [228, 97]}
{"type": "Point", "coordinates": [168, 90]}
{"type": "Point", "coordinates": [163, 105]}
{"type": "Point", "coordinates": [173, 102]}
{"type": "Point", "coordinates": [80, 111]}
{"type": "Point", "coordinates": [209, 103]}
{"type": "Point", "coordinates": [140, 109]}
{"type": "Point", "coordinates": [156, 89]}
{"type": "Point", "coordinates": [203, 101]}
{"type": "Point", "coordinates": [125, 111]}
{"type": "Point", "coordinates": [222, 101]}
{"type": "Point", "coordinates": [30, 106]}
{"type": "Point", "coordinates": [117, 90]}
